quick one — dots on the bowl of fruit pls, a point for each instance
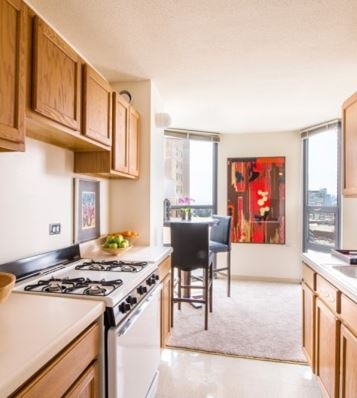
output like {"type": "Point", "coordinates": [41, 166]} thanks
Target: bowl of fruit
{"type": "Point", "coordinates": [7, 282]}
{"type": "Point", "coordinates": [129, 235]}
{"type": "Point", "coordinates": [115, 244]}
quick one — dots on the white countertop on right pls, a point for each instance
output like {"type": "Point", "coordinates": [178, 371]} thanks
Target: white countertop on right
{"type": "Point", "coordinates": [325, 264]}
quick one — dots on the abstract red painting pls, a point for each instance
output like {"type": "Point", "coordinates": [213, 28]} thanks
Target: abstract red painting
{"type": "Point", "coordinates": [256, 199]}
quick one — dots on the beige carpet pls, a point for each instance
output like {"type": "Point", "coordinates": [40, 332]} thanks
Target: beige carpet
{"type": "Point", "coordinates": [260, 320]}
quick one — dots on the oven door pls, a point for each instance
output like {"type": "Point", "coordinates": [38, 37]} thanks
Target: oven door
{"type": "Point", "coordinates": [133, 351]}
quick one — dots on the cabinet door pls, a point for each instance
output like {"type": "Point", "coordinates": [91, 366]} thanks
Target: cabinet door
{"type": "Point", "coordinates": [348, 364]}
{"type": "Point", "coordinates": [165, 309]}
{"type": "Point", "coordinates": [349, 125]}
{"type": "Point", "coordinates": [327, 349]}
{"type": "Point", "coordinates": [87, 385]}
{"type": "Point", "coordinates": [66, 369]}
{"type": "Point", "coordinates": [12, 75]}
{"type": "Point", "coordinates": [308, 311]}
{"type": "Point", "coordinates": [97, 107]}
{"type": "Point", "coordinates": [56, 77]}
{"type": "Point", "coordinates": [133, 142]}
{"type": "Point", "coordinates": [120, 154]}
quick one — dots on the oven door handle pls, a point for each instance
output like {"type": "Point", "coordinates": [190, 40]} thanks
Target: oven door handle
{"type": "Point", "coordinates": [129, 323]}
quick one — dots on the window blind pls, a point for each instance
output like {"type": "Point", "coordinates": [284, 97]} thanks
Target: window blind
{"type": "Point", "coordinates": [319, 128]}
{"type": "Point", "coordinates": [193, 134]}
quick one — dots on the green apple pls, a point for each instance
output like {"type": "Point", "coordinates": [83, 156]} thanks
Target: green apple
{"type": "Point", "coordinates": [124, 243]}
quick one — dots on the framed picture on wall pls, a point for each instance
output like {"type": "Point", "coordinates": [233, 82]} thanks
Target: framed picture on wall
{"type": "Point", "coordinates": [256, 199]}
{"type": "Point", "coordinates": [86, 210]}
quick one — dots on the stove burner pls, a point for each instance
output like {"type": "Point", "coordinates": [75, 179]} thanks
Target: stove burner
{"type": "Point", "coordinates": [54, 287]}
{"type": "Point", "coordinates": [112, 265]}
{"type": "Point", "coordinates": [81, 286]}
{"type": "Point", "coordinates": [94, 290]}
{"type": "Point", "coordinates": [96, 267]}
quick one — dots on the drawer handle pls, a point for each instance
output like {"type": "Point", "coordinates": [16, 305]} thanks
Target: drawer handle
{"type": "Point", "coordinates": [328, 296]}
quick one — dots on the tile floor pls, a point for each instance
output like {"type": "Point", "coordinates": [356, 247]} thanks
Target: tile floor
{"type": "Point", "coordinates": [187, 374]}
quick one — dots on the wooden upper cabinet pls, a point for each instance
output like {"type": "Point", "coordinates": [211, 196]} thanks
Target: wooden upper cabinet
{"type": "Point", "coordinates": [123, 159]}
{"type": "Point", "coordinates": [349, 126]}
{"type": "Point", "coordinates": [12, 75]}
{"type": "Point", "coordinates": [120, 155]}
{"type": "Point", "coordinates": [133, 142]}
{"type": "Point", "coordinates": [97, 106]}
{"type": "Point", "coordinates": [56, 91]}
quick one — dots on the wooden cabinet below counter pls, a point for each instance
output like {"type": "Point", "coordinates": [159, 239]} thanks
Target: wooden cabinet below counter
{"type": "Point", "coordinates": [12, 75]}
{"type": "Point", "coordinates": [165, 279]}
{"type": "Point", "coordinates": [330, 334]}
{"type": "Point", "coordinates": [308, 326]}
{"type": "Point", "coordinates": [327, 336]}
{"type": "Point", "coordinates": [72, 373]}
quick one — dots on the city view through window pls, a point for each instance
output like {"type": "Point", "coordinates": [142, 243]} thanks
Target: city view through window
{"type": "Point", "coordinates": [189, 173]}
{"type": "Point", "coordinates": [321, 182]}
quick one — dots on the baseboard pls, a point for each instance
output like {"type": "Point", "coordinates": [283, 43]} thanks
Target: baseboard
{"type": "Point", "coordinates": [265, 279]}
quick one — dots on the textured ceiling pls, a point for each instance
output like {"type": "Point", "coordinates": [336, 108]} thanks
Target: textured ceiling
{"type": "Point", "coordinates": [222, 65]}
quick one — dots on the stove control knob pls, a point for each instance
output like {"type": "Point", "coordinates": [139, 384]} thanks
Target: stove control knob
{"type": "Point", "coordinates": [124, 307]}
{"type": "Point", "coordinates": [156, 277]}
{"type": "Point", "coordinates": [142, 289]}
{"type": "Point", "coordinates": [131, 300]}
{"type": "Point", "coordinates": [150, 281]}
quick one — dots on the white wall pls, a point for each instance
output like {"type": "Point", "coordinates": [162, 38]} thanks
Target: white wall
{"type": "Point", "coordinates": [36, 190]}
{"type": "Point", "coordinates": [267, 260]}
{"type": "Point", "coordinates": [157, 172]}
{"type": "Point", "coordinates": [130, 199]}
{"type": "Point", "coordinates": [138, 204]}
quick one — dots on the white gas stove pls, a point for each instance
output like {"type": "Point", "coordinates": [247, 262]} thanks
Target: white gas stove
{"type": "Point", "coordinates": [129, 286]}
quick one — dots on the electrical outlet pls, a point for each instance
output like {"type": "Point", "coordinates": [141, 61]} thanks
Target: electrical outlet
{"type": "Point", "coordinates": [55, 229]}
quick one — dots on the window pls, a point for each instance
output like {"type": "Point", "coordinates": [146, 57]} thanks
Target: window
{"type": "Point", "coordinates": [190, 170]}
{"type": "Point", "coordinates": [321, 222]}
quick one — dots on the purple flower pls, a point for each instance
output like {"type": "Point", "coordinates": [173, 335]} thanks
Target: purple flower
{"type": "Point", "coordinates": [185, 200]}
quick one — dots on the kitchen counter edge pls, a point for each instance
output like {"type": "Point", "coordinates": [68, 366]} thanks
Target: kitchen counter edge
{"type": "Point", "coordinates": [34, 329]}
{"type": "Point", "coordinates": [323, 264]}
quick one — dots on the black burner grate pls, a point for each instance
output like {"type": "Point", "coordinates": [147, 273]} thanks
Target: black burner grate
{"type": "Point", "coordinates": [112, 265]}
{"type": "Point", "coordinates": [79, 286]}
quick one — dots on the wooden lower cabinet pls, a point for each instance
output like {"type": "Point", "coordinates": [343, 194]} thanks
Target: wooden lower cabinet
{"type": "Point", "coordinates": [330, 334]}
{"type": "Point", "coordinates": [87, 385]}
{"type": "Point", "coordinates": [165, 310]}
{"type": "Point", "coordinates": [308, 310]}
{"type": "Point", "coordinates": [348, 364]}
{"type": "Point", "coordinates": [72, 373]}
{"type": "Point", "coordinates": [327, 349]}
{"type": "Point", "coordinates": [165, 278]}
{"type": "Point", "coordinates": [348, 349]}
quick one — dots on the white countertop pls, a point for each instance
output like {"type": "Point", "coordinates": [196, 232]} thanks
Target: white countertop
{"type": "Point", "coordinates": [34, 328]}
{"type": "Point", "coordinates": [323, 263]}
{"type": "Point", "coordinates": [152, 254]}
